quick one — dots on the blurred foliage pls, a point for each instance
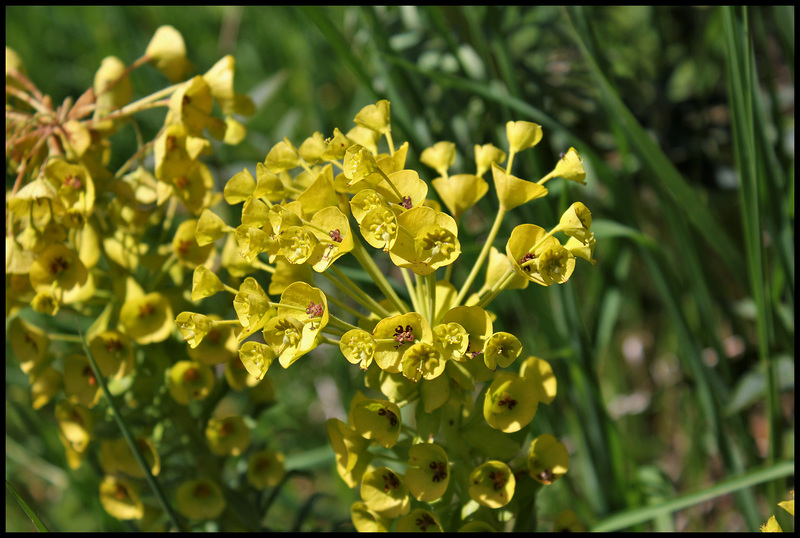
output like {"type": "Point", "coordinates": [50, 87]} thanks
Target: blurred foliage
{"type": "Point", "coordinates": [662, 389]}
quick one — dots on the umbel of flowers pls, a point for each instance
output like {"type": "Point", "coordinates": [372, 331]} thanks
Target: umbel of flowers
{"type": "Point", "coordinates": [427, 443]}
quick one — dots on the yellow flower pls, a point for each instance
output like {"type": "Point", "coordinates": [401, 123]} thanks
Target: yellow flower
{"type": "Point", "coordinates": [358, 347]}
{"type": "Point", "coordinates": [541, 373]}
{"type": "Point", "coordinates": [522, 135]}
{"type": "Point", "coordinates": [376, 419]}
{"type": "Point", "coordinates": [492, 484]}
{"type": "Point", "coordinates": [460, 192]}
{"type": "Point", "coordinates": [440, 157]}
{"type": "Point", "coordinates": [419, 520]}
{"type": "Point", "coordinates": [385, 492]}
{"type": "Point", "coordinates": [189, 380]}
{"type": "Point", "coordinates": [256, 358]}
{"type": "Point", "coordinates": [487, 155]}
{"type": "Point", "coordinates": [510, 403]}
{"type": "Point", "coordinates": [227, 436]}
{"type": "Point", "coordinates": [111, 71]}
{"type": "Point", "coordinates": [265, 469]}
{"type": "Point", "coordinates": [375, 117]}
{"type": "Point", "coordinates": [548, 459]}
{"type": "Point", "coordinates": [513, 191]}
{"type": "Point", "coordinates": [191, 105]}
{"type": "Point", "coordinates": [350, 449]}
{"type": "Point", "coordinates": [366, 520]}
{"type": "Point", "coordinates": [200, 499]}
{"type": "Point", "coordinates": [569, 167]}
{"type": "Point", "coordinates": [427, 239]}
{"type": "Point", "coordinates": [168, 52]}
{"type": "Point", "coordinates": [428, 473]}
{"type": "Point", "coordinates": [147, 319]}
{"type": "Point", "coordinates": [59, 266]}
{"type": "Point", "coordinates": [120, 498]}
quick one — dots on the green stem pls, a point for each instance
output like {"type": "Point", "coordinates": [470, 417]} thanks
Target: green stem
{"type": "Point", "coordinates": [377, 276]}
{"type": "Point", "coordinates": [412, 291]}
{"type": "Point", "coordinates": [351, 289]}
{"type": "Point", "coordinates": [162, 500]}
{"type": "Point", "coordinates": [482, 256]}
{"type": "Point", "coordinates": [430, 288]}
{"type": "Point", "coordinates": [496, 288]}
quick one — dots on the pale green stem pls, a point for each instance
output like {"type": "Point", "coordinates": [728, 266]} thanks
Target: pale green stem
{"type": "Point", "coordinates": [353, 290]}
{"type": "Point", "coordinates": [430, 288]}
{"type": "Point", "coordinates": [390, 142]}
{"type": "Point", "coordinates": [412, 291]}
{"type": "Point", "coordinates": [258, 264]}
{"type": "Point", "coordinates": [389, 181]}
{"type": "Point", "coordinates": [343, 306]}
{"type": "Point", "coordinates": [420, 285]}
{"type": "Point", "coordinates": [511, 155]}
{"type": "Point", "coordinates": [481, 257]}
{"type": "Point", "coordinates": [340, 324]}
{"type": "Point", "coordinates": [377, 276]}
{"type": "Point", "coordinates": [496, 288]}
{"type": "Point", "coordinates": [546, 178]}
{"type": "Point", "coordinates": [129, 439]}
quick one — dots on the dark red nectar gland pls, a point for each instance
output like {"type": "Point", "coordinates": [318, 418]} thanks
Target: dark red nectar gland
{"type": "Point", "coordinates": [527, 257]}
{"type": "Point", "coordinates": [336, 235]}
{"type": "Point", "coordinates": [58, 265]}
{"type": "Point", "coordinates": [390, 481]}
{"type": "Point", "coordinates": [315, 310]}
{"type": "Point", "coordinates": [499, 479]}
{"type": "Point", "coordinates": [403, 336]}
{"type": "Point", "coordinates": [406, 203]}
{"type": "Point", "coordinates": [73, 181]}
{"type": "Point", "coordinates": [386, 413]}
{"type": "Point", "coordinates": [507, 401]}
{"type": "Point", "coordinates": [424, 521]}
{"type": "Point", "coordinates": [439, 470]}
{"type": "Point", "coordinates": [146, 309]}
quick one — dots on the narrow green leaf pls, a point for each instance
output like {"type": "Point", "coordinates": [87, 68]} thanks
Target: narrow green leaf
{"type": "Point", "coordinates": [37, 523]}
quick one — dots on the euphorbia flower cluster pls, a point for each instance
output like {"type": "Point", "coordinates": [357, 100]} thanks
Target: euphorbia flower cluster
{"type": "Point", "coordinates": [427, 440]}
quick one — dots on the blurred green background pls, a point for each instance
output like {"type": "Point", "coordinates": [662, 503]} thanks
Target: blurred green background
{"type": "Point", "coordinates": [674, 355]}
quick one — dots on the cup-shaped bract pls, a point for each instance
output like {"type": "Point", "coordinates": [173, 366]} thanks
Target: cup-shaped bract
{"type": "Point", "coordinates": [548, 459]}
{"type": "Point", "coordinates": [510, 402]}
{"type": "Point", "coordinates": [492, 484]}
{"type": "Point", "coordinates": [428, 473]}
{"type": "Point", "coordinates": [385, 492]}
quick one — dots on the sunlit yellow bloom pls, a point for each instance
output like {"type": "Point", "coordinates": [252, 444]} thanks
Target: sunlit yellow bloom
{"type": "Point", "coordinates": [366, 520]}
{"type": "Point", "coordinates": [385, 492]}
{"type": "Point", "coordinates": [548, 459]}
{"type": "Point", "coordinates": [167, 51]}
{"type": "Point", "coordinates": [265, 469]}
{"type": "Point", "coordinates": [419, 520]}
{"type": "Point", "coordinates": [510, 403]}
{"type": "Point", "coordinates": [200, 499]}
{"type": "Point", "coordinates": [120, 498]}
{"type": "Point", "coordinates": [428, 473]}
{"type": "Point", "coordinates": [492, 484]}
{"type": "Point", "coordinates": [377, 419]}
{"type": "Point", "coordinates": [440, 157]}
{"type": "Point", "coordinates": [522, 135]}
{"type": "Point", "coordinates": [227, 436]}
{"type": "Point", "coordinates": [513, 191]}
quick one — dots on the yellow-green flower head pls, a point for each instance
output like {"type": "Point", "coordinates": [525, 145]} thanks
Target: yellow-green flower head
{"type": "Point", "coordinates": [522, 135]}
{"type": "Point", "coordinates": [423, 361]}
{"type": "Point", "coordinates": [548, 459]}
{"type": "Point", "coordinates": [176, 151]}
{"type": "Point", "coordinates": [375, 117]}
{"type": "Point", "coordinates": [257, 358]}
{"type": "Point", "coordinates": [419, 520]}
{"type": "Point", "coordinates": [358, 347]}
{"type": "Point", "coordinates": [116, 456]}
{"type": "Point", "coordinates": [497, 267]}
{"type": "Point", "coordinates": [427, 239]}
{"type": "Point", "coordinates": [195, 188]}
{"type": "Point", "coordinates": [185, 246]}
{"type": "Point", "coordinates": [440, 157]}
{"type": "Point", "coordinates": [319, 193]}
{"type": "Point", "coordinates": [379, 228]}
{"type": "Point", "coordinates": [365, 201]}
{"type": "Point", "coordinates": [580, 250]}
{"type": "Point", "coordinates": [147, 319]}
{"type": "Point", "coordinates": [336, 146]}
{"type": "Point", "coordinates": [306, 304]}
{"type": "Point", "coordinates": [191, 105]}
{"type": "Point", "coordinates": [568, 521]}
{"type": "Point", "coordinates": [265, 469]}
{"type": "Point", "coordinates": [460, 192]}
{"type": "Point", "coordinates": [45, 384]}
{"type": "Point", "coordinates": [227, 436]}
{"type": "Point", "coordinates": [428, 473]}
{"type": "Point", "coordinates": [220, 80]}
{"type": "Point", "coordinates": [80, 384]}
{"type": "Point", "coordinates": [541, 373]}
{"type": "Point", "coordinates": [385, 492]}
{"type": "Point", "coordinates": [771, 525]}
{"type": "Point", "coordinates": [312, 148]}
{"type": "Point", "coordinates": [58, 266]}
{"type": "Point", "coordinates": [524, 249]}
{"type": "Point", "coordinates": [336, 243]}
{"type": "Point", "coordinates": [394, 335]}
{"type": "Point", "coordinates": [289, 338]}
{"type": "Point", "coordinates": [283, 216]}
{"type": "Point", "coordinates": [120, 498]}
{"type": "Point", "coordinates": [252, 307]}
{"type": "Point", "coordinates": [487, 155]}
{"type": "Point", "coordinates": [451, 339]}
{"type": "Point", "coordinates": [205, 283]}
{"type": "Point", "coordinates": [74, 183]}
{"type": "Point", "coordinates": [403, 188]}
{"type": "Point", "coordinates": [378, 420]}
{"type": "Point", "coordinates": [365, 520]}
{"type": "Point", "coordinates": [570, 167]}
{"type": "Point", "coordinates": [111, 71]}
{"type": "Point", "coordinates": [283, 156]}
{"type": "Point", "coordinates": [577, 222]}
{"type": "Point", "coordinates": [297, 244]}
{"type": "Point", "coordinates": [189, 380]}
{"type": "Point", "coordinates": [512, 191]}
{"type": "Point", "coordinates": [476, 321]}
{"type": "Point", "coordinates": [28, 342]}
{"type": "Point", "coordinates": [45, 302]}
{"type": "Point", "coordinates": [350, 449]}
{"type": "Point", "coordinates": [501, 349]}
{"type": "Point", "coordinates": [75, 423]}
{"type": "Point", "coordinates": [218, 347]}
{"type": "Point", "coordinates": [193, 327]}
{"type": "Point", "coordinates": [241, 186]}
{"type": "Point", "coordinates": [492, 484]}
{"type": "Point", "coordinates": [359, 165]}
{"type": "Point", "coordinates": [30, 200]}
{"type": "Point", "coordinates": [510, 403]}
{"type": "Point", "coordinates": [200, 499]}
{"type": "Point", "coordinates": [167, 51]}
{"type": "Point", "coordinates": [253, 241]}
{"type": "Point", "coordinates": [556, 265]}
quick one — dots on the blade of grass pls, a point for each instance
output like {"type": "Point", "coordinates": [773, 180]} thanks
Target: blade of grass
{"type": "Point", "coordinates": [663, 171]}
{"type": "Point", "coordinates": [37, 523]}
{"type": "Point", "coordinates": [742, 102]}
{"type": "Point", "coordinates": [129, 439]}
{"type": "Point", "coordinates": [731, 485]}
